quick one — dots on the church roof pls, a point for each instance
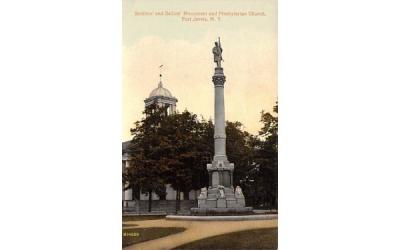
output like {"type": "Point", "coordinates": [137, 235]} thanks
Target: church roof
{"type": "Point", "coordinates": [161, 91]}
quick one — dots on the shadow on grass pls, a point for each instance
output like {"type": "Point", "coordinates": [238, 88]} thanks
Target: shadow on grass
{"type": "Point", "coordinates": [265, 238]}
{"type": "Point", "coordinates": [132, 236]}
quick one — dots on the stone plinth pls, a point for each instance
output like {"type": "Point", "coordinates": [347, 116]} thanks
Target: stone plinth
{"type": "Point", "coordinates": [201, 202]}
{"type": "Point", "coordinates": [219, 210]}
{"type": "Point", "coordinates": [221, 202]}
{"type": "Point", "coordinates": [211, 203]}
{"type": "Point", "coordinates": [231, 202]}
{"type": "Point", "coordinates": [240, 202]}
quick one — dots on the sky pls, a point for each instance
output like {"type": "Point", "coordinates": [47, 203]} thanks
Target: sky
{"type": "Point", "coordinates": [184, 48]}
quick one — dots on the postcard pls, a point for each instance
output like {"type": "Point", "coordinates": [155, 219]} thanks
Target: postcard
{"type": "Point", "coordinates": [200, 124]}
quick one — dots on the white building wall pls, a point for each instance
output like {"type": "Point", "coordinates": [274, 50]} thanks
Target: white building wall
{"type": "Point", "coordinates": [146, 196]}
{"type": "Point", "coordinates": [170, 192]}
{"type": "Point", "coordinates": [128, 195]}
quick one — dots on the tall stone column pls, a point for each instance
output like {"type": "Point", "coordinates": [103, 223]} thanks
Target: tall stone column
{"type": "Point", "coordinates": [220, 166]}
{"type": "Point", "coordinates": [219, 115]}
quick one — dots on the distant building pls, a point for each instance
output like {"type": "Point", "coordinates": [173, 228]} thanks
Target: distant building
{"type": "Point", "coordinates": [163, 98]}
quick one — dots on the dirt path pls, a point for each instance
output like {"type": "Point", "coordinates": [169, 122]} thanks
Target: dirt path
{"type": "Point", "coordinates": [195, 230]}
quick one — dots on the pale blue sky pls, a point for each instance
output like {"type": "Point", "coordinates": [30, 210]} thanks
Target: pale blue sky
{"type": "Point", "coordinates": [184, 48]}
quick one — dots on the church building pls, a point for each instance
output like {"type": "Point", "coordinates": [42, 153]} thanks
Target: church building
{"type": "Point", "coordinates": [163, 98]}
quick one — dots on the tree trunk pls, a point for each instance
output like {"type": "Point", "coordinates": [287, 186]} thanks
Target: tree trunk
{"type": "Point", "coordinates": [177, 201]}
{"type": "Point", "coordinates": [186, 195]}
{"type": "Point", "coordinates": [150, 199]}
{"type": "Point", "coordinates": [255, 193]}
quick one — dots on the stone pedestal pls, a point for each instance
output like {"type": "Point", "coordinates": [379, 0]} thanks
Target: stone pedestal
{"type": "Point", "coordinates": [221, 202]}
{"type": "Point", "coordinates": [240, 202]}
{"type": "Point", "coordinates": [211, 202]}
{"type": "Point", "coordinates": [231, 202]}
{"type": "Point", "coordinates": [201, 202]}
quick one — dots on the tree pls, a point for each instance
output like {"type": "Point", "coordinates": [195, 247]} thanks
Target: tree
{"type": "Point", "coordinates": [183, 152]}
{"type": "Point", "coordinates": [267, 157]}
{"type": "Point", "coordinates": [237, 149]}
{"type": "Point", "coordinates": [146, 150]}
{"type": "Point", "coordinates": [169, 149]}
{"type": "Point", "coordinates": [205, 152]}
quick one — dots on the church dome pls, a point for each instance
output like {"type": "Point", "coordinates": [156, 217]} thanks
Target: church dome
{"type": "Point", "coordinates": [161, 91]}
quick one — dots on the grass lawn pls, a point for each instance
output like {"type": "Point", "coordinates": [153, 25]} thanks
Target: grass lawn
{"type": "Point", "coordinates": [128, 225]}
{"type": "Point", "coordinates": [135, 235]}
{"type": "Point", "coordinates": [142, 217]}
{"type": "Point", "coordinates": [265, 238]}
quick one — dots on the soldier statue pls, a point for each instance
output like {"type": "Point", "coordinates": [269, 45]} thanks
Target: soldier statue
{"type": "Point", "coordinates": [217, 51]}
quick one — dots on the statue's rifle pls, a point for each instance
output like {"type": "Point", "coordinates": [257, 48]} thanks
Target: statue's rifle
{"type": "Point", "coordinates": [219, 44]}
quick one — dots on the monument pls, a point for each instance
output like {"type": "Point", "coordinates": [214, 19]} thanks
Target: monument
{"type": "Point", "coordinates": [220, 197]}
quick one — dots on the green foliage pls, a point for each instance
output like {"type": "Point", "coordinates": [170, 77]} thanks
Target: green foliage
{"type": "Point", "coordinates": [168, 149]}
{"type": "Point", "coordinates": [256, 160]}
{"type": "Point", "coordinates": [267, 158]}
{"type": "Point", "coordinates": [175, 149]}
{"type": "Point", "coordinates": [238, 149]}
{"type": "Point", "coordinates": [146, 150]}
